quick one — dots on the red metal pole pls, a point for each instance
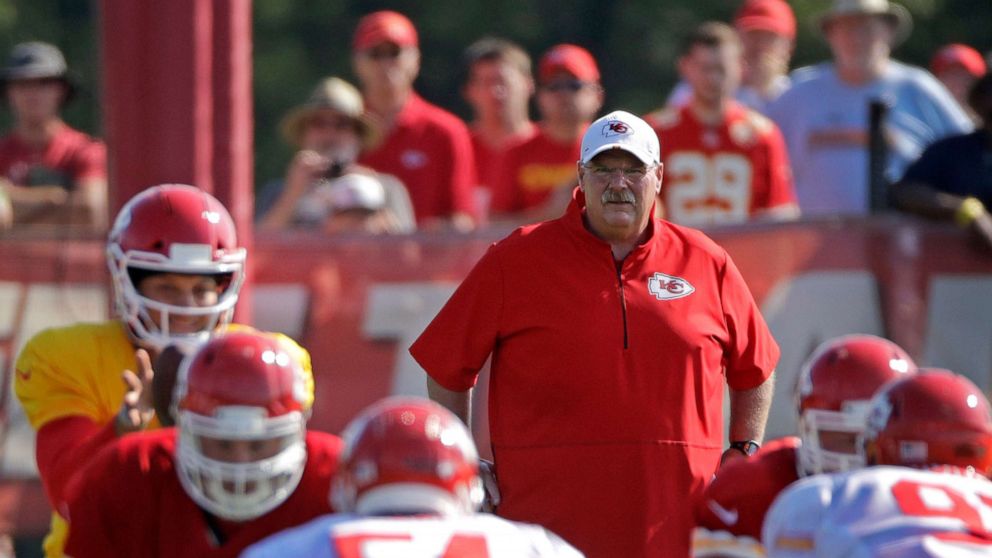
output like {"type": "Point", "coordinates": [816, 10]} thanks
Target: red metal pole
{"type": "Point", "coordinates": [177, 101]}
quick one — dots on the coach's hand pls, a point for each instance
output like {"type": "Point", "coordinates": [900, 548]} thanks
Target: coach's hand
{"type": "Point", "coordinates": [487, 472]}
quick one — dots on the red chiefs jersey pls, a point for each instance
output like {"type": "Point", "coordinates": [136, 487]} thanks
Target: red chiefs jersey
{"type": "Point", "coordinates": [607, 382]}
{"type": "Point", "coordinates": [533, 170]}
{"type": "Point", "coordinates": [70, 157]}
{"type": "Point", "coordinates": [740, 495]}
{"type": "Point", "coordinates": [131, 503]}
{"type": "Point", "coordinates": [723, 174]}
{"type": "Point", "coordinates": [430, 151]}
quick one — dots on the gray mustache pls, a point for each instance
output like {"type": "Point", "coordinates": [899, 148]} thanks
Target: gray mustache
{"type": "Point", "coordinates": [618, 196]}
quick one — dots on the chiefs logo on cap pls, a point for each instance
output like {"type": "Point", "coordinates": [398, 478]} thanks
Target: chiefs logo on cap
{"type": "Point", "coordinates": [616, 128]}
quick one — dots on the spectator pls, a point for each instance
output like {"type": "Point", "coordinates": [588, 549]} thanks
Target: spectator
{"type": "Point", "coordinates": [539, 174]}
{"type": "Point", "coordinates": [767, 30]}
{"type": "Point", "coordinates": [421, 499]}
{"type": "Point", "coordinates": [426, 147]}
{"type": "Point", "coordinates": [612, 335]}
{"type": "Point", "coordinates": [726, 163]}
{"type": "Point", "coordinates": [499, 88]}
{"type": "Point", "coordinates": [331, 130]}
{"type": "Point", "coordinates": [958, 67]}
{"type": "Point", "coordinates": [52, 174]}
{"type": "Point", "coordinates": [952, 180]}
{"type": "Point", "coordinates": [176, 269]}
{"type": "Point", "coordinates": [824, 115]}
{"type": "Point", "coordinates": [239, 466]}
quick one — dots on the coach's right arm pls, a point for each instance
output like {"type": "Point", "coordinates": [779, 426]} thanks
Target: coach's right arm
{"type": "Point", "coordinates": [455, 346]}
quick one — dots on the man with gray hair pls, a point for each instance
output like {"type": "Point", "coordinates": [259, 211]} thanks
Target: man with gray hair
{"type": "Point", "coordinates": [824, 116]}
{"type": "Point", "coordinates": [612, 335]}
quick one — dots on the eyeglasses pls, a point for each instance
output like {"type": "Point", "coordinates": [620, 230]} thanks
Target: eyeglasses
{"type": "Point", "coordinates": [570, 85]}
{"type": "Point", "coordinates": [633, 174]}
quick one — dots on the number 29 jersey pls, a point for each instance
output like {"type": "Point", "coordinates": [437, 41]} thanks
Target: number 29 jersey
{"type": "Point", "coordinates": [883, 512]}
{"type": "Point", "coordinates": [725, 173]}
{"type": "Point", "coordinates": [428, 536]}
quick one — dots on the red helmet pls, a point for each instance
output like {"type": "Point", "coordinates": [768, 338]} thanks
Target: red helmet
{"type": "Point", "coordinates": [249, 389]}
{"type": "Point", "coordinates": [407, 455]}
{"type": "Point", "coordinates": [935, 417]}
{"type": "Point", "coordinates": [179, 229]}
{"type": "Point", "coordinates": [835, 387]}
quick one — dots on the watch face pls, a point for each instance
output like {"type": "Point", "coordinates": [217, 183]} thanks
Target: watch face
{"type": "Point", "coordinates": [749, 447]}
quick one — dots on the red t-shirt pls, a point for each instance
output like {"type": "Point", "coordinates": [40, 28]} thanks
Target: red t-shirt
{"type": "Point", "coordinates": [606, 395]}
{"type": "Point", "coordinates": [724, 174]}
{"type": "Point", "coordinates": [430, 151]}
{"type": "Point", "coordinates": [743, 491]}
{"type": "Point", "coordinates": [70, 157]}
{"type": "Point", "coordinates": [532, 171]}
{"type": "Point", "coordinates": [489, 160]}
{"type": "Point", "coordinates": [131, 502]}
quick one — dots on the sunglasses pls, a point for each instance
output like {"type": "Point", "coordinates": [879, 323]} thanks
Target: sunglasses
{"type": "Point", "coordinates": [570, 85]}
{"type": "Point", "coordinates": [383, 52]}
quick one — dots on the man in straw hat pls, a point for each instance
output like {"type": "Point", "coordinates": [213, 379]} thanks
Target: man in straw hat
{"type": "Point", "coordinates": [824, 115]}
{"type": "Point", "coordinates": [330, 129]}
{"type": "Point", "coordinates": [51, 173]}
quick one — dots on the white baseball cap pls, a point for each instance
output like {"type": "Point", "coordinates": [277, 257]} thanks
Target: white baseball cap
{"type": "Point", "coordinates": [356, 191]}
{"type": "Point", "coordinates": [621, 130]}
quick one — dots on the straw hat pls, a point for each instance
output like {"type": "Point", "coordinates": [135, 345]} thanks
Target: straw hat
{"type": "Point", "coordinates": [336, 94]}
{"type": "Point", "coordinates": [897, 16]}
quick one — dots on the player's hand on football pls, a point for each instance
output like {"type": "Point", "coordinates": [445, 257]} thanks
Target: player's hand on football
{"type": "Point", "coordinates": [138, 408]}
{"type": "Point", "coordinates": [487, 472]}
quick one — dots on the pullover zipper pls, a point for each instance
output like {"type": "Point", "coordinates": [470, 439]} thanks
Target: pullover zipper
{"type": "Point", "coordinates": [623, 303]}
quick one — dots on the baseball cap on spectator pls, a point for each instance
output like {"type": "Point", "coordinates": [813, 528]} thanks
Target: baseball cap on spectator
{"type": "Point", "coordinates": [621, 130]}
{"type": "Point", "coordinates": [572, 59]}
{"type": "Point", "coordinates": [957, 54]}
{"type": "Point", "coordinates": [897, 16]}
{"type": "Point", "coordinates": [336, 94]}
{"type": "Point", "coordinates": [356, 192]}
{"type": "Point", "coordinates": [385, 26]}
{"type": "Point", "coordinates": [766, 15]}
{"type": "Point", "coordinates": [37, 60]}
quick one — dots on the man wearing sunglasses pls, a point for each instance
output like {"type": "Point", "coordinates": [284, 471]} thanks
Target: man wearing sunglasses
{"type": "Point", "coordinates": [539, 174]}
{"type": "Point", "coordinates": [612, 335]}
{"type": "Point", "coordinates": [426, 147]}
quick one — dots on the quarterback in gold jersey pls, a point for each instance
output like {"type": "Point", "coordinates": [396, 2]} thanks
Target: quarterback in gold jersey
{"type": "Point", "coordinates": [177, 269]}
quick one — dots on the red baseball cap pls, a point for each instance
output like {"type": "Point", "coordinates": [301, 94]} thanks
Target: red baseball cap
{"type": "Point", "coordinates": [384, 26]}
{"type": "Point", "coordinates": [568, 58]}
{"type": "Point", "coordinates": [957, 54]}
{"type": "Point", "coordinates": [766, 15]}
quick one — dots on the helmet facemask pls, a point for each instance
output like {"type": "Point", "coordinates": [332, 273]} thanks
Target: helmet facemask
{"type": "Point", "coordinates": [188, 259]}
{"type": "Point", "coordinates": [247, 488]}
{"type": "Point", "coordinates": [818, 453]}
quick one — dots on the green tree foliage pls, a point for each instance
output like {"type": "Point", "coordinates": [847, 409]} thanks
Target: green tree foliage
{"type": "Point", "coordinates": [296, 42]}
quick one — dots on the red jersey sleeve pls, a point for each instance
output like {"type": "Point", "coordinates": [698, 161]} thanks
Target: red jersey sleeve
{"type": "Point", "coordinates": [63, 447]}
{"type": "Point", "coordinates": [460, 338]}
{"type": "Point", "coordinates": [91, 161]}
{"type": "Point", "coordinates": [743, 490]}
{"type": "Point", "coordinates": [753, 353]}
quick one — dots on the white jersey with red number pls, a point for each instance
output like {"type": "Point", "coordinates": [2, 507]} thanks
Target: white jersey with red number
{"type": "Point", "coordinates": [883, 512]}
{"type": "Point", "coordinates": [727, 173]}
{"type": "Point", "coordinates": [469, 536]}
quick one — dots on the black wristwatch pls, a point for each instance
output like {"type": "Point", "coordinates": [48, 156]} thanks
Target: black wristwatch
{"type": "Point", "coordinates": [747, 447]}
